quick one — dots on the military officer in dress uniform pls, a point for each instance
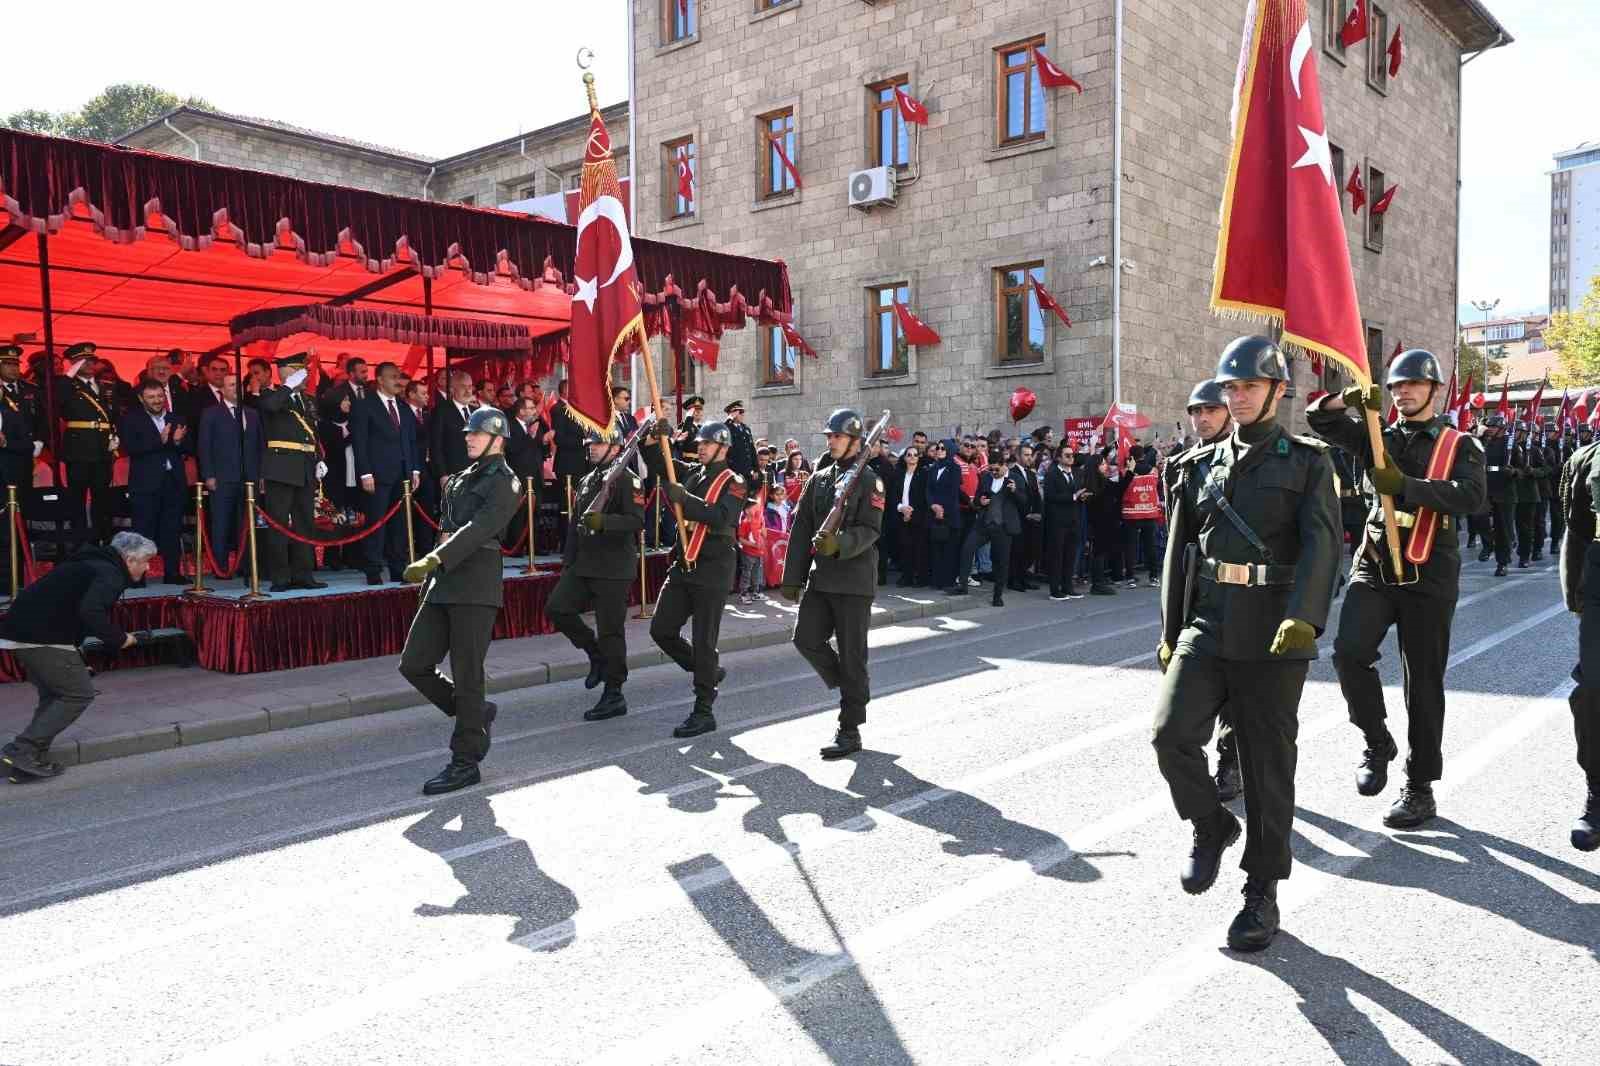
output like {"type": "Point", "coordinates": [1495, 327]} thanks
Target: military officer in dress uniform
{"type": "Point", "coordinates": [1266, 522]}
{"type": "Point", "coordinates": [701, 576]}
{"type": "Point", "coordinates": [1580, 588]}
{"type": "Point", "coordinates": [741, 443]}
{"type": "Point", "coordinates": [1502, 502]}
{"type": "Point", "coordinates": [1434, 475]}
{"type": "Point", "coordinates": [291, 468]}
{"type": "Point", "coordinates": [597, 570]}
{"type": "Point", "coordinates": [838, 573]}
{"type": "Point", "coordinates": [462, 592]}
{"type": "Point", "coordinates": [88, 440]}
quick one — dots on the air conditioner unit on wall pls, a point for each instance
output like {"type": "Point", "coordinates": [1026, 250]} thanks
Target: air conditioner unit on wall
{"type": "Point", "coordinates": [868, 188]}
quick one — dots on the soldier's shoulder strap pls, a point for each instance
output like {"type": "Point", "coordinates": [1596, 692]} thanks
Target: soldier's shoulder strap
{"type": "Point", "coordinates": [1308, 441]}
{"type": "Point", "coordinates": [1199, 451]}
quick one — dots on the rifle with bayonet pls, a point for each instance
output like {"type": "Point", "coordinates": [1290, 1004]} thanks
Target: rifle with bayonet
{"type": "Point", "coordinates": [619, 466]}
{"type": "Point", "coordinates": [848, 481]}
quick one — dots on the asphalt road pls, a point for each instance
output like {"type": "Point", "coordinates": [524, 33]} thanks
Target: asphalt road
{"type": "Point", "coordinates": [993, 881]}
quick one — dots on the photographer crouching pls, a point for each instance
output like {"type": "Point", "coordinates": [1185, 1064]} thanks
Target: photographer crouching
{"type": "Point", "coordinates": [45, 625]}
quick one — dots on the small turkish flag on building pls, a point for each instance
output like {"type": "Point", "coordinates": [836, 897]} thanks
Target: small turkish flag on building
{"type": "Point", "coordinates": [685, 176]}
{"type": "Point", "coordinates": [1355, 25]}
{"type": "Point", "coordinates": [1048, 302]}
{"type": "Point", "coordinates": [1398, 348]}
{"type": "Point", "coordinates": [1382, 205]}
{"type": "Point", "coordinates": [1397, 52]}
{"type": "Point", "coordinates": [911, 109]}
{"type": "Point", "coordinates": [702, 347]}
{"type": "Point", "coordinates": [917, 332]}
{"type": "Point", "coordinates": [792, 338]}
{"type": "Point", "coordinates": [777, 143]}
{"type": "Point", "coordinates": [1052, 76]}
{"type": "Point", "coordinates": [1357, 191]}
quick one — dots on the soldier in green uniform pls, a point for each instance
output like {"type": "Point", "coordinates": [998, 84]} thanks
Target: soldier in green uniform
{"type": "Point", "coordinates": [1580, 588]}
{"type": "Point", "coordinates": [1502, 502]}
{"type": "Point", "coordinates": [88, 440]}
{"type": "Point", "coordinates": [1264, 516]}
{"type": "Point", "coordinates": [1538, 456]}
{"type": "Point", "coordinates": [1527, 473]}
{"type": "Point", "coordinates": [598, 567]}
{"type": "Point", "coordinates": [701, 576]}
{"type": "Point", "coordinates": [1556, 453]}
{"type": "Point", "coordinates": [1421, 602]}
{"type": "Point", "coordinates": [462, 592]}
{"type": "Point", "coordinates": [838, 572]}
{"type": "Point", "coordinates": [291, 469]}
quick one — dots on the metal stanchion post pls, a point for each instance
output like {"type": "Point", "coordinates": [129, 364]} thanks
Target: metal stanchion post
{"type": "Point", "coordinates": [11, 534]}
{"type": "Point", "coordinates": [646, 609]}
{"type": "Point", "coordinates": [199, 539]}
{"type": "Point", "coordinates": [532, 567]}
{"type": "Point", "coordinates": [255, 592]}
{"type": "Point", "coordinates": [411, 534]}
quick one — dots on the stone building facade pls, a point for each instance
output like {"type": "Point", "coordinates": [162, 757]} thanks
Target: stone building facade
{"type": "Point", "coordinates": [1009, 177]}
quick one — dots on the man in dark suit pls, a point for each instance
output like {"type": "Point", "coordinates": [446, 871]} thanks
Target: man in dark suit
{"type": "Point", "coordinates": [385, 436]}
{"type": "Point", "coordinates": [209, 392]}
{"type": "Point", "coordinates": [622, 420]}
{"type": "Point", "coordinates": [88, 441]}
{"type": "Point", "coordinates": [571, 461]}
{"type": "Point", "coordinates": [229, 454]}
{"type": "Point", "coordinates": [1063, 492]}
{"type": "Point", "coordinates": [447, 449]}
{"type": "Point", "coordinates": [997, 517]}
{"type": "Point", "coordinates": [163, 369]}
{"type": "Point", "coordinates": [154, 439]}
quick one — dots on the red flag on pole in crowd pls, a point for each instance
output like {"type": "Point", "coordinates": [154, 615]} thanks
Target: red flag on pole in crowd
{"type": "Point", "coordinates": [1580, 410]}
{"type": "Point", "coordinates": [1503, 408]}
{"type": "Point", "coordinates": [1358, 192]}
{"type": "Point", "coordinates": [917, 332]}
{"type": "Point", "coordinates": [1397, 52]}
{"type": "Point", "coordinates": [1048, 303]}
{"type": "Point", "coordinates": [1125, 419]}
{"type": "Point", "coordinates": [607, 322]}
{"type": "Point", "coordinates": [1594, 410]}
{"type": "Point", "coordinates": [777, 143]}
{"type": "Point", "coordinates": [911, 109]}
{"type": "Point", "coordinates": [702, 347]}
{"type": "Point", "coordinates": [1398, 348]}
{"type": "Point", "coordinates": [1354, 30]}
{"type": "Point", "coordinates": [1564, 412]}
{"type": "Point", "coordinates": [685, 176]}
{"type": "Point", "coordinates": [1394, 413]}
{"type": "Point", "coordinates": [792, 338]}
{"type": "Point", "coordinates": [1530, 413]}
{"type": "Point", "coordinates": [1052, 76]}
{"type": "Point", "coordinates": [1383, 202]}
{"type": "Point", "coordinates": [1449, 409]}
{"type": "Point", "coordinates": [1282, 253]}
{"type": "Point", "coordinates": [1463, 403]}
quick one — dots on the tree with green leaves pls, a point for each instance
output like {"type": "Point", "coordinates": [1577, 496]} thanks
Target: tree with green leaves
{"type": "Point", "coordinates": [1576, 336]}
{"type": "Point", "coordinates": [1470, 359]}
{"type": "Point", "coordinates": [117, 110]}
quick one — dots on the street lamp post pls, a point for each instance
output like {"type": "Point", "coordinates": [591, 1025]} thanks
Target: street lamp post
{"type": "Point", "coordinates": [1486, 307]}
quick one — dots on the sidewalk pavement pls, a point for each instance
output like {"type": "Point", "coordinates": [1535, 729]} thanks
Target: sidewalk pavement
{"type": "Point", "coordinates": [160, 707]}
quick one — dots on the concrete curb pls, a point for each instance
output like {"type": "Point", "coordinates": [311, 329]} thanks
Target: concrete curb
{"type": "Point", "coordinates": [330, 707]}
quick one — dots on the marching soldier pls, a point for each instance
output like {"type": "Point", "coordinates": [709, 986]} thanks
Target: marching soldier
{"type": "Point", "coordinates": [1265, 520]}
{"type": "Point", "coordinates": [1557, 450]}
{"type": "Point", "coordinates": [291, 468]}
{"type": "Point", "coordinates": [598, 568]}
{"type": "Point", "coordinates": [88, 439]}
{"type": "Point", "coordinates": [1580, 587]}
{"type": "Point", "coordinates": [462, 592]}
{"type": "Point", "coordinates": [1502, 499]}
{"type": "Point", "coordinates": [1527, 471]}
{"type": "Point", "coordinates": [701, 576]}
{"type": "Point", "coordinates": [840, 582]}
{"type": "Point", "coordinates": [1434, 473]}
{"type": "Point", "coordinates": [1539, 457]}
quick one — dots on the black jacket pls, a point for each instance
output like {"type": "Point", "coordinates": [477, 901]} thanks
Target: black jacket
{"type": "Point", "coordinates": [1060, 485]}
{"type": "Point", "coordinates": [71, 602]}
{"type": "Point", "coordinates": [571, 456]}
{"type": "Point", "coordinates": [613, 552]}
{"type": "Point", "coordinates": [477, 504]}
{"type": "Point", "coordinates": [742, 452]}
{"type": "Point", "coordinates": [1012, 504]}
{"type": "Point", "coordinates": [285, 416]}
{"type": "Point", "coordinates": [447, 444]}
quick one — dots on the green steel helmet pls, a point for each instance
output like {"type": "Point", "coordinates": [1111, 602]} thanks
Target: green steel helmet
{"type": "Point", "coordinates": [845, 421]}
{"type": "Point", "coordinates": [1414, 364]}
{"type": "Point", "coordinates": [715, 433]}
{"type": "Point", "coordinates": [1495, 422]}
{"type": "Point", "coordinates": [1251, 359]}
{"type": "Point", "coordinates": [490, 420]}
{"type": "Point", "coordinates": [594, 436]}
{"type": "Point", "coordinates": [1206, 394]}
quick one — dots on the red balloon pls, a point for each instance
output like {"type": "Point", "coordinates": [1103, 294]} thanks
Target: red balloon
{"type": "Point", "coordinates": [895, 434]}
{"type": "Point", "coordinates": [1022, 402]}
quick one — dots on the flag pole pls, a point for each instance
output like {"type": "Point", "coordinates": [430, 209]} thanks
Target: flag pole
{"type": "Point", "coordinates": [666, 446]}
{"type": "Point", "coordinates": [1391, 529]}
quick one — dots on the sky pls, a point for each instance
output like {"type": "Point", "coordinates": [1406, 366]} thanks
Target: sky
{"type": "Point", "coordinates": [353, 68]}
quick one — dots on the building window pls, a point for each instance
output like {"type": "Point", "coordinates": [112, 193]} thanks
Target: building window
{"type": "Point", "coordinates": [776, 141]}
{"type": "Point", "coordinates": [574, 180]}
{"type": "Point", "coordinates": [528, 192]}
{"type": "Point", "coordinates": [1334, 12]}
{"type": "Point", "coordinates": [1019, 98]}
{"type": "Point", "coordinates": [1375, 189]}
{"type": "Point", "coordinates": [887, 353]}
{"type": "Point", "coordinates": [777, 358]}
{"type": "Point", "coordinates": [1018, 319]}
{"type": "Point", "coordinates": [468, 201]}
{"type": "Point", "coordinates": [890, 140]}
{"type": "Point", "coordinates": [1338, 170]}
{"type": "Point", "coordinates": [680, 20]}
{"type": "Point", "coordinates": [1377, 48]}
{"type": "Point", "coordinates": [679, 161]}
{"type": "Point", "coordinates": [1376, 356]}
{"type": "Point", "coordinates": [768, 5]}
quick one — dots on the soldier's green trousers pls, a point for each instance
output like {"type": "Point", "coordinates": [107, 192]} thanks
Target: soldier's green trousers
{"type": "Point", "coordinates": [846, 619]}
{"type": "Point", "coordinates": [1263, 698]}
{"type": "Point", "coordinates": [462, 632]}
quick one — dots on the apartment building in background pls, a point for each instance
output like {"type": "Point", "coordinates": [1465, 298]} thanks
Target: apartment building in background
{"type": "Point", "coordinates": [1574, 225]}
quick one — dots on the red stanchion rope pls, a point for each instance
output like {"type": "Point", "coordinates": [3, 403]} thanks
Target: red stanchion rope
{"type": "Point", "coordinates": [341, 541]}
{"type": "Point", "coordinates": [511, 552]}
{"type": "Point", "coordinates": [238, 555]}
{"type": "Point", "coordinates": [21, 534]}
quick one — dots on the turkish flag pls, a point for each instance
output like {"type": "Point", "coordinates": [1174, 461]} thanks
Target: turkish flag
{"type": "Point", "coordinates": [607, 323]}
{"type": "Point", "coordinates": [1358, 192]}
{"type": "Point", "coordinates": [911, 109]}
{"type": "Point", "coordinates": [1355, 25]}
{"type": "Point", "coordinates": [1580, 410]}
{"type": "Point", "coordinates": [685, 177]}
{"type": "Point", "coordinates": [1564, 413]}
{"type": "Point", "coordinates": [917, 332]}
{"type": "Point", "coordinates": [1397, 52]}
{"type": "Point", "coordinates": [1463, 400]}
{"type": "Point", "coordinates": [1052, 76]}
{"type": "Point", "coordinates": [702, 347]}
{"type": "Point", "coordinates": [1282, 253]}
{"type": "Point", "coordinates": [1382, 205]}
{"type": "Point", "coordinates": [1503, 408]}
{"type": "Point", "coordinates": [1394, 413]}
{"type": "Point", "coordinates": [1048, 302]}
{"type": "Point", "coordinates": [1449, 408]}
{"type": "Point", "coordinates": [777, 142]}
{"type": "Point", "coordinates": [1530, 413]}
{"type": "Point", "coordinates": [792, 338]}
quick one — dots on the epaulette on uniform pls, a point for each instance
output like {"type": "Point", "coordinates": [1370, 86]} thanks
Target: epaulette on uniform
{"type": "Point", "coordinates": [1310, 442]}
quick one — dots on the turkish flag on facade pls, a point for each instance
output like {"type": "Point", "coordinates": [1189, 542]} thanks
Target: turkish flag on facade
{"type": "Point", "coordinates": [777, 142]}
{"type": "Point", "coordinates": [1381, 207]}
{"type": "Point", "coordinates": [1048, 302]}
{"type": "Point", "coordinates": [685, 177]}
{"type": "Point", "coordinates": [1358, 192]}
{"type": "Point", "coordinates": [917, 332]}
{"type": "Point", "coordinates": [702, 347]}
{"type": "Point", "coordinates": [1052, 76]}
{"type": "Point", "coordinates": [911, 109]}
{"type": "Point", "coordinates": [1355, 25]}
{"type": "Point", "coordinates": [1282, 253]}
{"type": "Point", "coordinates": [1397, 52]}
{"type": "Point", "coordinates": [792, 338]}
{"type": "Point", "coordinates": [607, 323]}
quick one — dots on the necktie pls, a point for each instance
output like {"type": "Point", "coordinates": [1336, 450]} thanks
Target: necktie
{"type": "Point", "coordinates": [394, 414]}
{"type": "Point", "coordinates": [464, 415]}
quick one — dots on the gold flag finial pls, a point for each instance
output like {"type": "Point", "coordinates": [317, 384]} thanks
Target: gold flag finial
{"type": "Point", "coordinates": [588, 85]}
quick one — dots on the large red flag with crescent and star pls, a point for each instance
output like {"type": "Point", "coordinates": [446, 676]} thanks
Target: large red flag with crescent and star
{"type": "Point", "coordinates": [607, 321]}
{"type": "Point", "coordinates": [1282, 254]}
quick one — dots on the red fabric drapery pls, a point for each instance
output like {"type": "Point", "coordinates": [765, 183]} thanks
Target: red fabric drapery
{"type": "Point", "coordinates": [353, 323]}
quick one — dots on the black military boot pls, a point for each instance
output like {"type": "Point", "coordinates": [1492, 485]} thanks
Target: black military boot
{"type": "Point", "coordinates": [1500, 570]}
{"type": "Point", "coordinates": [1483, 556]}
{"type": "Point", "coordinates": [611, 705]}
{"type": "Point", "coordinates": [1257, 922]}
{"type": "Point", "coordinates": [27, 760]}
{"type": "Point", "coordinates": [1414, 807]}
{"type": "Point", "coordinates": [596, 671]}
{"type": "Point", "coordinates": [1212, 835]}
{"type": "Point", "coordinates": [1538, 557]}
{"type": "Point", "coordinates": [461, 773]}
{"type": "Point", "coordinates": [1586, 830]}
{"type": "Point", "coordinates": [1230, 783]}
{"type": "Point", "coordinates": [847, 741]}
{"type": "Point", "coordinates": [700, 721]}
{"type": "Point", "coordinates": [1372, 773]}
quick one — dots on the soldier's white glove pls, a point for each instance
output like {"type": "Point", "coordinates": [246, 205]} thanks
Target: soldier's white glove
{"type": "Point", "coordinates": [322, 469]}
{"type": "Point", "coordinates": [294, 379]}
{"type": "Point", "coordinates": [38, 446]}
